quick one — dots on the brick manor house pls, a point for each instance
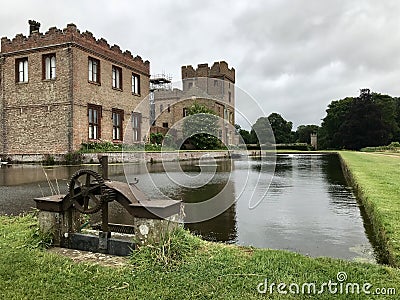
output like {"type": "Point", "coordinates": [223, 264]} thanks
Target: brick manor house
{"type": "Point", "coordinates": [62, 88]}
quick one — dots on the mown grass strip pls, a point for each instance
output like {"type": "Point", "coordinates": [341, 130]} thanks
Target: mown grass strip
{"type": "Point", "coordinates": [376, 179]}
{"type": "Point", "coordinates": [194, 269]}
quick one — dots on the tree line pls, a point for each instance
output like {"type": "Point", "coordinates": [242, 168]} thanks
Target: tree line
{"type": "Point", "coordinates": [262, 129]}
{"type": "Point", "coordinates": [369, 120]}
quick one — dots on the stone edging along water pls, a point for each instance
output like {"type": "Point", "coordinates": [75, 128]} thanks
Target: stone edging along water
{"type": "Point", "coordinates": [119, 157]}
{"type": "Point", "coordinates": [378, 228]}
{"type": "Point", "coordinates": [146, 156]}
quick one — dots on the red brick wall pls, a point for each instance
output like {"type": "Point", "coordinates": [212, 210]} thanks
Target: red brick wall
{"type": "Point", "coordinates": [103, 94]}
{"type": "Point", "coordinates": [50, 116]}
{"type": "Point", "coordinates": [36, 113]}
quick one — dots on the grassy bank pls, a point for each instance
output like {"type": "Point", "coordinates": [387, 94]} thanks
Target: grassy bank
{"type": "Point", "coordinates": [377, 181]}
{"type": "Point", "coordinates": [186, 268]}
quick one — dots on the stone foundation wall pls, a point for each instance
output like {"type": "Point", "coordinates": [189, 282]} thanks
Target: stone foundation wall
{"type": "Point", "coordinates": [123, 157]}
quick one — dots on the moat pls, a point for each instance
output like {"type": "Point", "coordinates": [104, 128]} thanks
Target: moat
{"type": "Point", "coordinates": [305, 207]}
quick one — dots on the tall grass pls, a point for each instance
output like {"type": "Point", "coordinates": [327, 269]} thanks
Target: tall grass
{"type": "Point", "coordinates": [171, 250]}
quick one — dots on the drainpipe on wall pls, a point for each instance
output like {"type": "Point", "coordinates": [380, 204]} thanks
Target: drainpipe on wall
{"type": "Point", "coordinates": [71, 99]}
{"type": "Point", "coordinates": [2, 111]}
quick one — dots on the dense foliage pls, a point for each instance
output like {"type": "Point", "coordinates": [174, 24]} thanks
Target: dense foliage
{"type": "Point", "coordinates": [355, 122]}
{"type": "Point", "coordinates": [282, 129]}
{"type": "Point", "coordinates": [303, 133]}
{"type": "Point", "coordinates": [275, 129]}
{"type": "Point", "coordinates": [201, 128]}
{"type": "Point", "coordinates": [262, 131]}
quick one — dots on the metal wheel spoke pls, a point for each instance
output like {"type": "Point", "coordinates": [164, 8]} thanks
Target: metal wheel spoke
{"type": "Point", "coordinates": [87, 191]}
{"type": "Point", "coordinates": [94, 198]}
{"type": "Point", "coordinates": [78, 195]}
{"type": "Point", "coordinates": [88, 180]}
{"type": "Point", "coordinates": [94, 187]}
{"type": "Point", "coordinates": [85, 203]}
{"type": "Point", "coordinates": [78, 183]}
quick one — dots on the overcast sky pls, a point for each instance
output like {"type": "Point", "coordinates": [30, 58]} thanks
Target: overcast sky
{"type": "Point", "coordinates": [293, 57]}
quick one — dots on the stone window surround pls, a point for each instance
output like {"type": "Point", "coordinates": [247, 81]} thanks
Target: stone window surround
{"type": "Point", "coordinates": [98, 109]}
{"type": "Point", "coordinates": [135, 84]}
{"type": "Point", "coordinates": [136, 126]}
{"type": "Point", "coordinates": [22, 61]}
{"type": "Point", "coordinates": [117, 78]}
{"type": "Point", "coordinates": [48, 59]}
{"type": "Point", "coordinates": [94, 77]}
{"type": "Point", "coordinates": [118, 127]}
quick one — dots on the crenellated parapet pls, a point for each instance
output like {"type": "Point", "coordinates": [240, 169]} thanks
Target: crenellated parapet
{"type": "Point", "coordinates": [72, 35]}
{"type": "Point", "coordinates": [219, 70]}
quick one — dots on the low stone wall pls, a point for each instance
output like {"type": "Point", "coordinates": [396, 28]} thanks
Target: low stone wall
{"type": "Point", "coordinates": [155, 156]}
{"type": "Point", "coordinates": [31, 158]}
{"type": "Point", "coordinates": [118, 157]}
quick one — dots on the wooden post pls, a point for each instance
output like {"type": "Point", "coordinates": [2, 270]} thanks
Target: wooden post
{"type": "Point", "coordinates": [104, 166]}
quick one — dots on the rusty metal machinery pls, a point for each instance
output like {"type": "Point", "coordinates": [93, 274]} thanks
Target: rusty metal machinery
{"type": "Point", "coordinates": [88, 193]}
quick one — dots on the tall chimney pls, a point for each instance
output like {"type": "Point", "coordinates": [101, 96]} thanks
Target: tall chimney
{"type": "Point", "coordinates": [33, 26]}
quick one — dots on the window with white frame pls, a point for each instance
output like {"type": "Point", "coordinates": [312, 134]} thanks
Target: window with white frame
{"type": "Point", "coordinates": [116, 77]}
{"type": "Point", "coordinates": [21, 70]}
{"type": "Point", "coordinates": [117, 117]}
{"type": "Point", "coordinates": [49, 66]}
{"type": "Point", "coordinates": [94, 118]}
{"type": "Point", "coordinates": [94, 70]}
{"type": "Point", "coordinates": [136, 126]}
{"type": "Point", "coordinates": [135, 84]}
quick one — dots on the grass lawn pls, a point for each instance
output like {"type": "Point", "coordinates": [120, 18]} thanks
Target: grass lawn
{"type": "Point", "coordinates": [377, 179]}
{"type": "Point", "coordinates": [185, 268]}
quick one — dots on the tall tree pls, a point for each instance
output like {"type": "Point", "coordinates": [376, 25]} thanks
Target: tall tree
{"type": "Point", "coordinates": [304, 133]}
{"type": "Point", "coordinates": [389, 109]}
{"type": "Point", "coordinates": [354, 123]}
{"type": "Point", "coordinates": [328, 135]}
{"type": "Point", "coordinates": [201, 127]}
{"type": "Point", "coordinates": [363, 126]}
{"type": "Point", "coordinates": [281, 128]}
{"type": "Point", "coordinates": [262, 131]}
{"type": "Point", "coordinates": [247, 137]}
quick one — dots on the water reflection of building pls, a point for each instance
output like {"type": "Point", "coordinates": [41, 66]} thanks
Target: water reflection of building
{"type": "Point", "coordinates": [26, 174]}
{"type": "Point", "coordinates": [223, 226]}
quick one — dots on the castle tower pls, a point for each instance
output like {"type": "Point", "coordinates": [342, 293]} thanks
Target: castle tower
{"type": "Point", "coordinates": [217, 80]}
{"type": "Point", "coordinates": [212, 86]}
{"type": "Point", "coordinates": [314, 141]}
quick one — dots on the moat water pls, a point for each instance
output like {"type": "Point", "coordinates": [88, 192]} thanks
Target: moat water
{"type": "Point", "coordinates": [305, 206]}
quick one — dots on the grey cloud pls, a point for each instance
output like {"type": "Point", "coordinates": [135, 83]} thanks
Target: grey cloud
{"type": "Point", "coordinates": [293, 57]}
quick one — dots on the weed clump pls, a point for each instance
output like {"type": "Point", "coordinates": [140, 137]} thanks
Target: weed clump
{"type": "Point", "coordinates": [172, 249]}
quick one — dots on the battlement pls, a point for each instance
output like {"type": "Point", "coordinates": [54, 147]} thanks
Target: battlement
{"type": "Point", "coordinates": [217, 70]}
{"type": "Point", "coordinates": [72, 35]}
